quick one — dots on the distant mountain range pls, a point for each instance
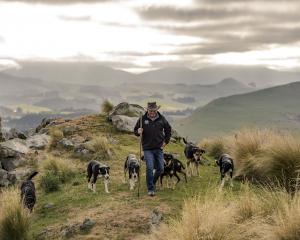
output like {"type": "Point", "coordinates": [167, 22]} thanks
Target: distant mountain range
{"type": "Point", "coordinates": [277, 107]}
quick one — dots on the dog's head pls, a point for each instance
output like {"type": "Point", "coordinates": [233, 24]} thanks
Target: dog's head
{"type": "Point", "coordinates": [134, 169]}
{"type": "Point", "coordinates": [168, 158]}
{"type": "Point", "coordinates": [104, 171]}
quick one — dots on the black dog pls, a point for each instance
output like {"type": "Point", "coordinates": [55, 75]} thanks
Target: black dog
{"type": "Point", "coordinates": [94, 169]}
{"type": "Point", "coordinates": [172, 166]}
{"type": "Point", "coordinates": [132, 166]}
{"type": "Point", "coordinates": [225, 162]}
{"type": "Point", "coordinates": [28, 192]}
{"type": "Point", "coordinates": [193, 155]}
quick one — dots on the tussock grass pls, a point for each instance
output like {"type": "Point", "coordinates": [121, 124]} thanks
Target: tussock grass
{"type": "Point", "coordinates": [56, 171]}
{"type": "Point", "coordinates": [56, 135]}
{"type": "Point", "coordinates": [221, 216]}
{"type": "Point", "coordinates": [101, 147]}
{"type": "Point", "coordinates": [106, 107]}
{"type": "Point", "coordinates": [14, 219]}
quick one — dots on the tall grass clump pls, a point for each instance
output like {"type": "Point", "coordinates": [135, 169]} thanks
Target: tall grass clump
{"type": "Point", "coordinates": [14, 219]}
{"type": "Point", "coordinates": [56, 171]}
{"type": "Point", "coordinates": [246, 216]}
{"type": "Point", "coordinates": [101, 148]}
{"type": "Point", "coordinates": [106, 107]}
{"type": "Point", "coordinates": [56, 135]}
{"type": "Point", "coordinates": [214, 147]}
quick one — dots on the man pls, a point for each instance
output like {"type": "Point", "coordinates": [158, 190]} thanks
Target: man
{"type": "Point", "coordinates": [156, 133]}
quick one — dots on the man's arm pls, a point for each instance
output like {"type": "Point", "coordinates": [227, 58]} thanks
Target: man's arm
{"type": "Point", "coordinates": [167, 131]}
{"type": "Point", "coordinates": [137, 126]}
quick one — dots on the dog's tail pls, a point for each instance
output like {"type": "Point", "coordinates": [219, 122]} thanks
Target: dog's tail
{"type": "Point", "coordinates": [32, 175]}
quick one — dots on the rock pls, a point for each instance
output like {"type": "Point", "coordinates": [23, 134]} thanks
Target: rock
{"type": "Point", "coordinates": [156, 217]}
{"type": "Point", "coordinates": [48, 205]}
{"type": "Point", "coordinates": [87, 224]}
{"type": "Point", "coordinates": [124, 123]}
{"type": "Point", "coordinates": [12, 153]}
{"type": "Point", "coordinates": [38, 141]}
{"type": "Point", "coordinates": [82, 151]}
{"type": "Point", "coordinates": [70, 230]}
{"type": "Point", "coordinates": [46, 122]}
{"type": "Point", "coordinates": [4, 182]}
{"type": "Point", "coordinates": [126, 109]}
{"type": "Point", "coordinates": [14, 133]}
{"type": "Point", "coordinates": [66, 143]}
{"type": "Point", "coordinates": [70, 130]}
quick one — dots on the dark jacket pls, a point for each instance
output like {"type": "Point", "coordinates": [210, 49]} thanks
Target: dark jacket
{"type": "Point", "coordinates": [155, 132]}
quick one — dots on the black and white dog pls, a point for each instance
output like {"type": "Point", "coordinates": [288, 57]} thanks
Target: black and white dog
{"type": "Point", "coordinates": [225, 162]}
{"type": "Point", "coordinates": [172, 166]}
{"type": "Point", "coordinates": [132, 166]}
{"type": "Point", "coordinates": [193, 154]}
{"type": "Point", "coordinates": [28, 196]}
{"type": "Point", "coordinates": [95, 169]}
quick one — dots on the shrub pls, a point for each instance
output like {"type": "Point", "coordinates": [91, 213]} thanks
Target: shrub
{"type": "Point", "coordinates": [101, 147]}
{"type": "Point", "coordinates": [56, 135]}
{"type": "Point", "coordinates": [49, 182]}
{"type": "Point", "coordinates": [106, 107]}
{"type": "Point", "coordinates": [14, 219]}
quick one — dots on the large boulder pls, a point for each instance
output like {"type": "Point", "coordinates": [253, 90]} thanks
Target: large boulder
{"type": "Point", "coordinates": [126, 109]}
{"type": "Point", "coordinates": [14, 133]}
{"type": "Point", "coordinates": [12, 153]}
{"type": "Point", "coordinates": [43, 127]}
{"type": "Point", "coordinates": [124, 123]}
{"type": "Point", "coordinates": [38, 141]}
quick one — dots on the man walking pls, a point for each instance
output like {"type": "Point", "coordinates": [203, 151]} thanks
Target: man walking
{"type": "Point", "coordinates": [156, 133]}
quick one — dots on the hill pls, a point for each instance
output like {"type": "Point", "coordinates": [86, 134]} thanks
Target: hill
{"type": "Point", "coordinates": [276, 107]}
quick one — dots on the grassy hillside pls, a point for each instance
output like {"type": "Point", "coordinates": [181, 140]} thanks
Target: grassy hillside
{"type": "Point", "coordinates": [273, 107]}
{"type": "Point", "coordinates": [120, 214]}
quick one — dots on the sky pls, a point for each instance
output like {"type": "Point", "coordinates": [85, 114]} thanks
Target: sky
{"type": "Point", "coordinates": [141, 35]}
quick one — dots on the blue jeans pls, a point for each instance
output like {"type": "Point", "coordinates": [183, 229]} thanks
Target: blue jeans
{"type": "Point", "coordinates": [154, 160]}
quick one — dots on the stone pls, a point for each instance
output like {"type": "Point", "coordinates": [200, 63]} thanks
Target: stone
{"type": "Point", "coordinates": [66, 143]}
{"type": "Point", "coordinates": [38, 141]}
{"type": "Point", "coordinates": [126, 109]}
{"type": "Point", "coordinates": [4, 182]}
{"type": "Point", "coordinates": [124, 123]}
{"type": "Point", "coordinates": [87, 224]}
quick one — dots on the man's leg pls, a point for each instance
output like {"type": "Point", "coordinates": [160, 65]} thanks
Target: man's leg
{"type": "Point", "coordinates": [159, 160]}
{"type": "Point", "coordinates": [149, 159]}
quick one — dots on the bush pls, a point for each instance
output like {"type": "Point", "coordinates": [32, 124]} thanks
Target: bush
{"type": "Point", "coordinates": [56, 171]}
{"type": "Point", "coordinates": [101, 147]}
{"type": "Point", "coordinates": [14, 219]}
{"type": "Point", "coordinates": [56, 135]}
{"type": "Point", "coordinates": [50, 182]}
{"type": "Point", "coordinates": [214, 147]}
{"type": "Point", "coordinates": [106, 107]}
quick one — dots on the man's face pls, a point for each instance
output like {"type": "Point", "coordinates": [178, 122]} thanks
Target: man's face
{"type": "Point", "coordinates": [152, 113]}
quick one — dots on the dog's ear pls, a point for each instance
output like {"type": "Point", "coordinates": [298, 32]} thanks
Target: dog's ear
{"type": "Point", "coordinates": [108, 168]}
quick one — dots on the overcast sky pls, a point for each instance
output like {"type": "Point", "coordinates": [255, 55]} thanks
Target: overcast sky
{"type": "Point", "coordinates": [139, 35]}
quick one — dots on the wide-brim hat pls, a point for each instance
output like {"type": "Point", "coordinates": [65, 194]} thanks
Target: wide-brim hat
{"type": "Point", "coordinates": [152, 106]}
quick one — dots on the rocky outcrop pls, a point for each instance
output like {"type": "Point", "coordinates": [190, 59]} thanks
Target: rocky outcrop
{"type": "Point", "coordinates": [47, 122]}
{"type": "Point", "coordinates": [124, 123]}
{"type": "Point", "coordinates": [12, 153]}
{"type": "Point", "coordinates": [126, 109]}
{"type": "Point", "coordinates": [38, 141]}
{"type": "Point", "coordinates": [14, 133]}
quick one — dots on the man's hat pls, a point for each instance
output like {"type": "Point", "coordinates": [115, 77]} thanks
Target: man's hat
{"type": "Point", "coordinates": [152, 106]}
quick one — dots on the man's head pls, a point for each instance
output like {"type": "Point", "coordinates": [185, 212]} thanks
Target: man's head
{"type": "Point", "coordinates": [152, 109]}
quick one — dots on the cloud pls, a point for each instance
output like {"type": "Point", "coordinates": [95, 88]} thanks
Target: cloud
{"type": "Point", "coordinates": [75, 18]}
{"type": "Point", "coordinates": [57, 2]}
{"type": "Point", "coordinates": [2, 40]}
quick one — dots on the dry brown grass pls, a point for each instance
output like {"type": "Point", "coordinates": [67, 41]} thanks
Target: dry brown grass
{"type": "Point", "coordinates": [14, 219]}
{"type": "Point", "coordinates": [56, 135]}
{"type": "Point", "coordinates": [101, 146]}
{"type": "Point", "coordinates": [217, 216]}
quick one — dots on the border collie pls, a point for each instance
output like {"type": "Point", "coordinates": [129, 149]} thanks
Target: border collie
{"type": "Point", "coordinates": [193, 155]}
{"type": "Point", "coordinates": [94, 169]}
{"type": "Point", "coordinates": [28, 196]}
{"type": "Point", "coordinates": [172, 166]}
{"type": "Point", "coordinates": [132, 166]}
{"type": "Point", "coordinates": [225, 162]}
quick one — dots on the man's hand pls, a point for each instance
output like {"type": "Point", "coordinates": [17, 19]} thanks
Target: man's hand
{"type": "Point", "coordinates": [140, 130]}
{"type": "Point", "coordinates": [163, 145]}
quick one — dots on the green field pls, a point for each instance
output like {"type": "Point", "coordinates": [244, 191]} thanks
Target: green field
{"type": "Point", "coordinates": [277, 107]}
